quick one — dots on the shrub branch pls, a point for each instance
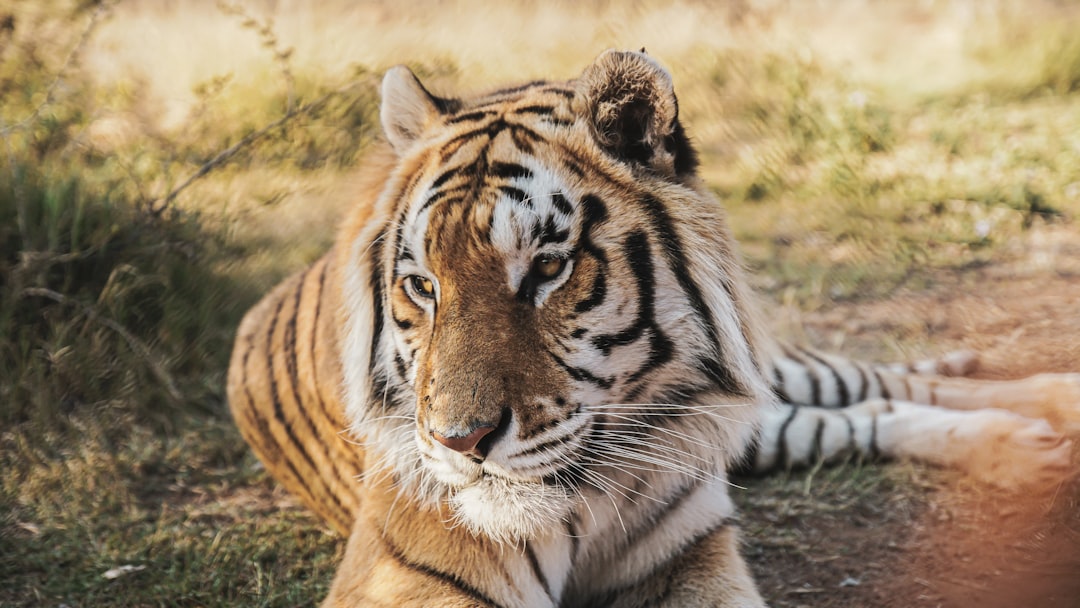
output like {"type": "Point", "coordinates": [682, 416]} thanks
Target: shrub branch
{"type": "Point", "coordinates": [158, 206]}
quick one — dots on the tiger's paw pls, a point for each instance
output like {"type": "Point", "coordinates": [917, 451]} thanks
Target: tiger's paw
{"type": "Point", "coordinates": [958, 363]}
{"type": "Point", "coordinates": [1061, 393]}
{"type": "Point", "coordinates": [1012, 452]}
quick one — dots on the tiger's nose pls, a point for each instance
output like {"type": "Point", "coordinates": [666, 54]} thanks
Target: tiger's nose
{"type": "Point", "coordinates": [468, 444]}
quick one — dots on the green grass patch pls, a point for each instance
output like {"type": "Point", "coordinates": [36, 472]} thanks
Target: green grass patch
{"type": "Point", "coordinates": [191, 515]}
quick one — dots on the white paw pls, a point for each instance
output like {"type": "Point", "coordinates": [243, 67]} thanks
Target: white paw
{"type": "Point", "coordinates": [1010, 451]}
{"type": "Point", "coordinates": [958, 363]}
{"type": "Point", "coordinates": [1061, 393]}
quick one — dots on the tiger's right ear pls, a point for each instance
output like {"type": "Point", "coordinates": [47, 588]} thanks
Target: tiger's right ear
{"type": "Point", "coordinates": [407, 108]}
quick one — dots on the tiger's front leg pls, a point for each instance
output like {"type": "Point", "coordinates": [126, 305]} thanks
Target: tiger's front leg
{"type": "Point", "coordinates": [711, 573]}
{"type": "Point", "coordinates": [995, 446]}
{"type": "Point", "coordinates": [402, 554]}
{"type": "Point", "coordinates": [377, 574]}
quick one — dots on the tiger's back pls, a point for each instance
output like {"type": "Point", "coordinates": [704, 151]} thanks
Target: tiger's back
{"type": "Point", "coordinates": [284, 390]}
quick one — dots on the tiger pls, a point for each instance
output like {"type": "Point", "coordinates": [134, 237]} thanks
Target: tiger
{"type": "Point", "coordinates": [524, 371]}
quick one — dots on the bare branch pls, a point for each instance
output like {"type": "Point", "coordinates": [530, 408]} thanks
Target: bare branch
{"type": "Point", "coordinates": [157, 206]}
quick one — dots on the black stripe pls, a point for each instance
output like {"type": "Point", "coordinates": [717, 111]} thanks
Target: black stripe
{"type": "Point", "coordinates": [661, 349]}
{"type": "Point", "coordinates": [551, 232]}
{"type": "Point", "coordinates": [558, 122]}
{"type": "Point", "coordinates": [510, 171]}
{"type": "Point", "coordinates": [376, 283]}
{"type": "Point", "coordinates": [447, 577]}
{"type": "Point", "coordinates": [401, 368]}
{"type": "Point", "coordinates": [279, 415]}
{"type": "Point", "coordinates": [841, 387]}
{"type": "Point", "coordinates": [594, 212]}
{"type": "Point", "coordinates": [747, 463]}
{"type": "Point", "coordinates": [399, 236]}
{"type": "Point", "coordinates": [538, 572]}
{"type": "Point", "coordinates": [315, 334]}
{"type": "Point", "coordinates": [597, 294]}
{"type": "Point", "coordinates": [881, 384]}
{"type": "Point", "coordinates": [256, 419]}
{"type": "Point", "coordinates": [853, 445]}
{"type": "Point", "coordinates": [875, 453]}
{"type": "Point", "coordinates": [292, 367]}
{"type": "Point", "coordinates": [932, 387]}
{"type": "Point", "coordinates": [778, 385]}
{"type": "Point", "coordinates": [864, 385]}
{"type": "Point", "coordinates": [581, 375]}
{"type": "Point", "coordinates": [517, 194]}
{"type": "Point", "coordinates": [455, 144]}
{"type": "Point", "coordinates": [545, 445]}
{"type": "Point", "coordinates": [264, 431]}
{"type": "Point", "coordinates": [438, 196]}
{"type": "Point", "coordinates": [315, 384]}
{"type": "Point", "coordinates": [656, 519]}
{"type": "Point", "coordinates": [567, 93]}
{"type": "Point", "coordinates": [782, 455]}
{"type": "Point", "coordinates": [639, 259]}
{"type": "Point", "coordinates": [561, 204]}
{"type": "Point", "coordinates": [525, 138]}
{"type": "Point", "coordinates": [469, 117]}
{"type": "Point", "coordinates": [444, 177]}
{"type": "Point", "coordinates": [672, 246]}
{"type": "Point", "coordinates": [815, 449]}
{"type": "Point", "coordinates": [611, 596]}
{"type": "Point", "coordinates": [574, 167]}
{"type": "Point", "coordinates": [535, 109]}
{"type": "Point", "coordinates": [811, 375]}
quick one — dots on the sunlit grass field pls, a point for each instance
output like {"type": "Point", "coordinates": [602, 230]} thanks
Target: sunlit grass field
{"type": "Point", "coordinates": [163, 163]}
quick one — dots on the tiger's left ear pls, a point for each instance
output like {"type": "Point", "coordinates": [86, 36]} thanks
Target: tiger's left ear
{"type": "Point", "coordinates": [630, 102]}
{"type": "Point", "coordinates": [407, 108]}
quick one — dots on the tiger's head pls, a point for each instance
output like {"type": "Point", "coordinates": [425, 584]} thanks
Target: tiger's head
{"type": "Point", "coordinates": [545, 303]}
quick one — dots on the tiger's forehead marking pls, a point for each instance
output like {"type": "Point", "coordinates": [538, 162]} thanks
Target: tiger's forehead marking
{"type": "Point", "coordinates": [512, 212]}
{"type": "Point", "coordinates": [496, 184]}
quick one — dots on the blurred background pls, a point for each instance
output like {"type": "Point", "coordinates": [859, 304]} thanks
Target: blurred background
{"type": "Point", "coordinates": [904, 177]}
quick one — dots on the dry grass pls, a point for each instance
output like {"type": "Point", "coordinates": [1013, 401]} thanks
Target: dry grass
{"type": "Point", "coordinates": [868, 153]}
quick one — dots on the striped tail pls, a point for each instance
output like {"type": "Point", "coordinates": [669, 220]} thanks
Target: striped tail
{"type": "Point", "coordinates": [804, 376]}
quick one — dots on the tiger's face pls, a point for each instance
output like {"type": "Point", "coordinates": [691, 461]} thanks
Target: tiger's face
{"type": "Point", "coordinates": [553, 300]}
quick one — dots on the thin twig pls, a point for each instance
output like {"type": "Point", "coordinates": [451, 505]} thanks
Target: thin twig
{"type": "Point", "coordinates": [156, 207]}
{"type": "Point", "coordinates": [265, 30]}
{"type": "Point", "coordinates": [136, 345]}
{"type": "Point", "coordinates": [84, 37]}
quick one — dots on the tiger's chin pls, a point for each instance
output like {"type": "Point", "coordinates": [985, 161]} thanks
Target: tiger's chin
{"type": "Point", "coordinates": [511, 511]}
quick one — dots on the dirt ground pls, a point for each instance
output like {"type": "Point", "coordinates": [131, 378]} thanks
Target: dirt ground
{"type": "Point", "coordinates": [908, 536]}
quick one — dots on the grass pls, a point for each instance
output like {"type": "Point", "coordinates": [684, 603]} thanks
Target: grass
{"type": "Point", "coordinates": [152, 186]}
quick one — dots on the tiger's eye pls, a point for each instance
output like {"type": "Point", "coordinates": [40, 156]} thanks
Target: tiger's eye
{"type": "Point", "coordinates": [548, 266]}
{"type": "Point", "coordinates": [423, 286]}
